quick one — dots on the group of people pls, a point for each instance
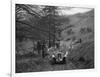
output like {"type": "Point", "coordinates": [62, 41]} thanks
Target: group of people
{"type": "Point", "coordinates": [43, 46]}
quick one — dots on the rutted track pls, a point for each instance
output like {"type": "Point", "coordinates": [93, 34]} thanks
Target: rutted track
{"type": "Point", "coordinates": [36, 64]}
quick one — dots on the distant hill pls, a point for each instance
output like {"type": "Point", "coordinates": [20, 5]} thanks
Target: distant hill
{"type": "Point", "coordinates": [80, 26]}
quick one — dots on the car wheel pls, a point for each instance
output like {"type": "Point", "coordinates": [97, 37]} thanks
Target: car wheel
{"type": "Point", "coordinates": [64, 60]}
{"type": "Point", "coordinates": [53, 61]}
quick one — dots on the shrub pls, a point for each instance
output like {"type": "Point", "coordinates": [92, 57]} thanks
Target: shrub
{"type": "Point", "coordinates": [85, 30]}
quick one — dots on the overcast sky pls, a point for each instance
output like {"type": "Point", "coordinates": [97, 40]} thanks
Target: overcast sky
{"type": "Point", "coordinates": [71, 11]}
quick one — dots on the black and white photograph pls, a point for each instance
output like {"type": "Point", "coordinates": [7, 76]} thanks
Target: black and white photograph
{"type": "Point", "coordinates": [53, 38]}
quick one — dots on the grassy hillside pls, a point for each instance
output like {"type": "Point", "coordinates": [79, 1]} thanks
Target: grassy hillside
{"type": "Point", "coordinates": [80, 26]}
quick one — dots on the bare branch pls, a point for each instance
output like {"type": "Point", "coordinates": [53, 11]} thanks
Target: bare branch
{"type": "Point", "coordinates": [33, 27]}
{"type": "Point", "coordinates": [29, 10]}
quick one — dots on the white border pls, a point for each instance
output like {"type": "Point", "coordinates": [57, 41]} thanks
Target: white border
{"type": "Point", "coordinates": [13, 39]}
{"type": "Point", "coordinates": [60, 73]}
{"type": "Point", "coordinates": [53, 3]}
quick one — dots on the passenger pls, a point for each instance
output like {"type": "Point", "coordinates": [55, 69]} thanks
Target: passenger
{"type": "Point", "coordinates": [38, 46]}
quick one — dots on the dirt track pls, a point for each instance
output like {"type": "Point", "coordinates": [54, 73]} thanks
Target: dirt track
{"type": "Point", "coordinates": [37, 63]}
{"type": "Point", "coordinates": [28, 65]}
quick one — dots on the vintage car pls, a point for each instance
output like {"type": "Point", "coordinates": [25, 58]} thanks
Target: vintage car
{"type": "Point", "coordinates": [56, 55]}
{"type": "Point", "coordinates": [59, 54]}
{"type": "Point", "coordinates": [59, 58]}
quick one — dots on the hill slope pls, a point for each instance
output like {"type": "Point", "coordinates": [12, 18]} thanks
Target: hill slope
{"type": "Point", "coordinates": [80, 26]}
